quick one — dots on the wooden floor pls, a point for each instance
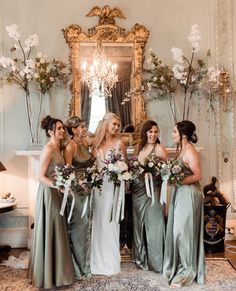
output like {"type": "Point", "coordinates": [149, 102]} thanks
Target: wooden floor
{"type": "Point", "coordinates": [230, 256]}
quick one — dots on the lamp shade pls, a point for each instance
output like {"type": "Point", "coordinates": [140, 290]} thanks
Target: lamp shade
{"type": "Point", "coordinates": [2, 167]}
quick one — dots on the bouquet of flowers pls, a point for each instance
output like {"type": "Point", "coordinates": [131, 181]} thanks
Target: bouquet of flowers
{"type": "Point", "coordinates": [92, 178]}
{"type": "Point", "coordinates": [135, 168]}
{"type": "Point", "coordinates": [64, 179]}
{"type": "Point", "coordinates": [152, 165]}
{"type": "Point", "coordinates": [172, 170]}
{"type": "Point", "coordinates": [64, 176]}
{"type": "Point", "coordinates": [116, 167]}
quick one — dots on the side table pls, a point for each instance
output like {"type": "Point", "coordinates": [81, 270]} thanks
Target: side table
{"type": "Point", "coordinates": [6, 207]}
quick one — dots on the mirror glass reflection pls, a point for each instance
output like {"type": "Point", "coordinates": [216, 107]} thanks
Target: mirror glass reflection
{"type": "Point", "coordinates": [93, 104]}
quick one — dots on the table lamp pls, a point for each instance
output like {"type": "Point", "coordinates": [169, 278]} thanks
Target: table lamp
{"type": "Point", "coordinates": [2, 167]}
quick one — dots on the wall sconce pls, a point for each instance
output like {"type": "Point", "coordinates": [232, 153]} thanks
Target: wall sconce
{"type": "Point", "coordinates": [225, 156]}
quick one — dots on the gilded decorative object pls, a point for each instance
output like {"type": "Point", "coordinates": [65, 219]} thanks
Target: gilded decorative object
{"type": "Point", "coordinates": [106, 14]}
{"type": "Point", "coordinates": [109, 33]}
{"type": "Point", "coordinates": [224, 87]}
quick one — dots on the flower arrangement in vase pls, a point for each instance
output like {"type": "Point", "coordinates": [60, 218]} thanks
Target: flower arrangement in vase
{"type": "Point", "coordinates": [193, 76]}
{"type": "Point", "coordinates": [26, 72]}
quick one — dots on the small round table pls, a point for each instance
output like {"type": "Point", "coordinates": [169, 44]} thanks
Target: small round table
{"type": "Point", "coordinates": [6, 207]}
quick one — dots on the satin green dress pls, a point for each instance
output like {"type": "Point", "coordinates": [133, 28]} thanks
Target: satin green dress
{"type": "Point", "coordinates": [148, 227]}
{"type": "Point", "coordinates": [50, 259]}
{"type": "Point", "coordinates": [79, 229]}
{"type": "Point", "coordinates": [184, 259]}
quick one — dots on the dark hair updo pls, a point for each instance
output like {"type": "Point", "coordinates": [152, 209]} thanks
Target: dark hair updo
{"type": "Point", "coordinates": [187, 128]}
{"type": "Point", "coordinates": [49, 123]}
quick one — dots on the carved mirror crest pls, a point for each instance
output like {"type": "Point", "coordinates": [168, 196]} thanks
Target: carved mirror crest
{"type": "Point", "coordinates": [124, 48]}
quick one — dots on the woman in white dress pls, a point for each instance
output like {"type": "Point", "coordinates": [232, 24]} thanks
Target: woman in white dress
{"type": "Point", "coordinates": [105, 246]}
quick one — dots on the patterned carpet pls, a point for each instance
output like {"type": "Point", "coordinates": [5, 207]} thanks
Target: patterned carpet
{"type": "Point", "coordinates": [220, 276]}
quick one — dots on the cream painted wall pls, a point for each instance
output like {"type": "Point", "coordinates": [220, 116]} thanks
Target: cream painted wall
{"type": "Point", "coordinates": [169, 23]}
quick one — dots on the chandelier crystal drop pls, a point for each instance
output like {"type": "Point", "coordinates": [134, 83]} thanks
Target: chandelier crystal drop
{"type": "Point", "coordinates": [101, 77]}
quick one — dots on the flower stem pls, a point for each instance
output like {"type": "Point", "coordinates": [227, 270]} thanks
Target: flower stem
{"type": "Point", "coordinates": [38, 117]}
{"type": "Point", "coordinates": [29, 116]}
{"type": "Point", "coordinates": [187, 84]}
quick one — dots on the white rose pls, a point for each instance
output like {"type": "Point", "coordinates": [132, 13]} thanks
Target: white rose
{"type": "Point", "coordinates": [111, 167]}
{"type": "Point", "coordinates": [127, 176]}
{"type": "Point", "coordinates": [150, 164]}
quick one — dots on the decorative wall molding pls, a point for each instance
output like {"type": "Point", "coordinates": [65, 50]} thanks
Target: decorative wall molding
{"type": "Point", "coordinates": [226, 120]}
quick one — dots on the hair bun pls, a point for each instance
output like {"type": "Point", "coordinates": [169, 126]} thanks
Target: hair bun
{"type": "Point", "coordinates": [194, 138]}
{"type": "Point", "coordinates": [46, 121]}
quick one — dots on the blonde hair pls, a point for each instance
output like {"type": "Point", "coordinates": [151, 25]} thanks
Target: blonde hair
{"type": "Point", "coordinates": [101, 130]}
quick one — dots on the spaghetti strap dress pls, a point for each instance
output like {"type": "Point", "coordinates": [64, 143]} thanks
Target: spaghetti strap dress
{"type": "Point", "coordinates": [184, 259]}
{"type": "Point", "coordinates": [79, 228]}
{"type": "Point", "coordinates": [148, 227]}
{"type": "Point", "coordinates": [50, 260]}
{"type": "Point", "coordinates": [105, 243]}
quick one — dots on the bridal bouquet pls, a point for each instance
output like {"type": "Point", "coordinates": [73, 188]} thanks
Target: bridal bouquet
{"type": "Point", "coordinates": [117, 171]}
{"type": "Point", "coordinates": [92, 178]}
{"type": "Point", "coordinates": [172, 171]}
{"type": "Point", "coordinates": [64, 176]}
{"type": "Point", "coordinates": [152, 165]}
{"type": "Point", "coordinates": [64, 179]}
{"type": "Point", "coordinates": [115, 167]}
{"type": "Point", "coordinates": [135, 168]}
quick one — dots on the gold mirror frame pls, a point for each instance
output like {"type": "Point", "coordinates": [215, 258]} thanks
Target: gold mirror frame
{"type": "Point", "coordinates": [107, 32]}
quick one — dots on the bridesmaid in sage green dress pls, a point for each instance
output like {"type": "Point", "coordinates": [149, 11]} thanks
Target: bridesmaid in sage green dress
{"type": "Point", "coordinates": [184, 251]}
{"type": "Point", "coordinates": [76, 153]}
{"type": "Point", "coordinates": [50, 260]}
{"type": "Point", "coordinates": [148, 220]}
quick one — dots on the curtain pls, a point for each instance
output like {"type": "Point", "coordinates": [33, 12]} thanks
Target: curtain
{"type": "Point", "coordinates": [114, 102]}
{"type": "Point", "coordinates": [85, 104]}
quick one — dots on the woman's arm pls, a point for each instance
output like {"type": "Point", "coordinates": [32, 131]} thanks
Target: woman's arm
{"type": "Point", "coordinates": [191, 158]}
{"type": "Point", "coordinates": [69, 152]}
{"type": "Point", "coordinates": [123, 148]}
{"type": "Point", "coordinates": [45, 159]}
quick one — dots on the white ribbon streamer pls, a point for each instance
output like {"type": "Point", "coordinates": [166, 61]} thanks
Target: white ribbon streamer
{"type": "Point", "coordinates": [72, 206]}
{"type": "Point", "coordinates": [163, 196]}
{"type": "Point", "coordinates": [67, 192]}
{"type": "Point", "coordinates": [149, 187]}
{"type": "Point", "coordinates": [85, 206]}
{"type": "Point", "coordinates": [88, 201]}
{"type": "Point", "coordinates": [118, 208]}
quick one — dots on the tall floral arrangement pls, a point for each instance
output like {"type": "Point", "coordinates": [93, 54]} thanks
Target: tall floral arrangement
{"type": "Point", "coordinates": [159, 79]}
{"type": "Point", "coordinates": [23, 70]}
{"type": "Point", "coordinates": [195, 76]}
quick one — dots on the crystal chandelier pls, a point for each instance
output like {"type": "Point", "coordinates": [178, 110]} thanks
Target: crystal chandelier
{"type": "Point", "coordinates": [101, 77]}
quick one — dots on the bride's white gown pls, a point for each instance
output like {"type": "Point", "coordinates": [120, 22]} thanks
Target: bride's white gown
{"type": "Point", "coordinates": [105, 249]}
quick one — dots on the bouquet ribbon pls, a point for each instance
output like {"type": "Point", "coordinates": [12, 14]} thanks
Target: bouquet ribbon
{"type": "Point", "coordinates": [149, 187]}
{"type": "Point", "coordinates": [87, 201]}
{"type": "Point", "coordinates": [67, 192]}
{"type": "Point", "coordinates": [163, 196]}
{"type": "Point", "coordinates": [118, 208]}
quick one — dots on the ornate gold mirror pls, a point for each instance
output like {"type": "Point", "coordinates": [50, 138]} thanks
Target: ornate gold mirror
{"type": "Point", "coordinates": [126, 49]}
